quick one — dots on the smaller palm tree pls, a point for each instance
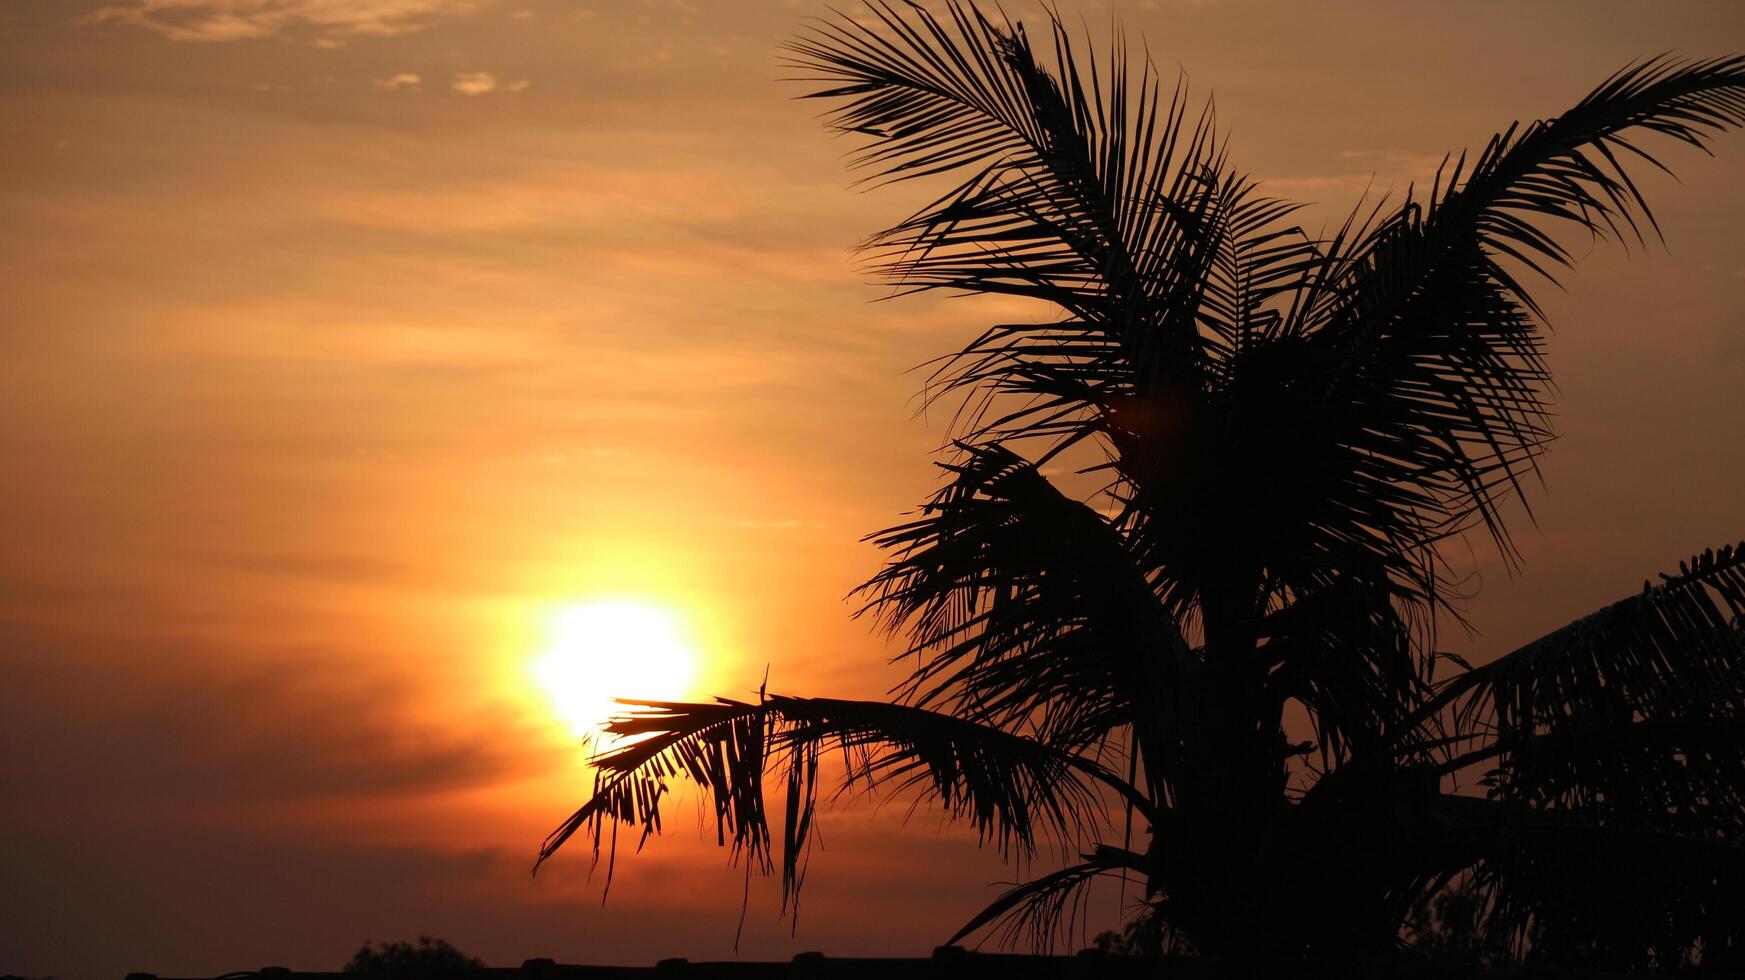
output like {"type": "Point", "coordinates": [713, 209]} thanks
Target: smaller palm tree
{"type": "Point", "coordinates": [1288, 428]}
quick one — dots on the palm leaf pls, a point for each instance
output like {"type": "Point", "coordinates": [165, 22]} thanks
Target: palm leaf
{"type": "Point", "coordinates": [1013, 790]}
{"type": "Point", "coordinates": [1042, 908]}
{"type": "Point", "coordinates": [1616, 755]}
{"type": "Point", "coordinates": [1085, 189]}
{"type": "Point", "coordinates": [1437, 338]}
{"type": "Point", "coordinates": [1025, 611]}
{"type": "Point", "coordinates": [1635, 712]}
{"type": "Point", "coordinates": [1350, 657]}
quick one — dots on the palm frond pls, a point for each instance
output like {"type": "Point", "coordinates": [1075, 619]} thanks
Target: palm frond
{"type": "Point", "coordinates": [1060, 192]}
{"type": "Point", "coordinates": [1042, 908]}
{"type": "Point", "coordinates": [1437, 338]}
{"type": "Point", "coordinates": [1350, 656]}
{"type": "Point", "coordinates": [1025, 611]}
{"type": "Point", "coordinates": [1635, 712]}
{"type": "Point", "coordinates": [1571, 169]}
{"type": "Point", "coordinates": [1014, 791]}
{"type": "Point", "coordinates": [1085, 189]}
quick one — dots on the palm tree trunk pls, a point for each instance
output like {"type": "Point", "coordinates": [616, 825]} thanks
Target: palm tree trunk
{"type": "Point", "coordinates": [1229, 797]}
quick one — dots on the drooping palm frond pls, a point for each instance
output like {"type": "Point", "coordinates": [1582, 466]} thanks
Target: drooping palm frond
{"type": "Point", "coordinates": [1014, 791]}
{"type": "Point", "coordinates": [1041, 909]}
{"type": "Point", "coordinates": [1027, 613]}
{"type": "Point", "coordinates": [1635, 713]}
{"type": "Point", "coordinates": [1350, 657]}
{"type": "Point", "coordinates": [1616, 754]}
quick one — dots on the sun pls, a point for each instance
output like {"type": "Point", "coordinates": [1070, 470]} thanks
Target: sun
{"type": "Point", "coordinates": [613, 648]}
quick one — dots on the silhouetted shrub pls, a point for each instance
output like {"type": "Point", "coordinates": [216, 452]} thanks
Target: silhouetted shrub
{"type": "Point", "coordinates": [399, 959]}
{"type": "Point", "coordinates": [1449, 930]}
{"type": "Point", "coordinates": [1142, 936]}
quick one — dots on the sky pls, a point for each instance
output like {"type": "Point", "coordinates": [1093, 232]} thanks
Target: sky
{"type": "Point", "coordinates": [347, 347]}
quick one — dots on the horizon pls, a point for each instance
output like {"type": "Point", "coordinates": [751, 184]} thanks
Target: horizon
{"type": "Point", "coordinates": [367, 360]}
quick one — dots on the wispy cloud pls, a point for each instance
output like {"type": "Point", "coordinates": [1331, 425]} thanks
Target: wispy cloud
{"type": "Point", "coordinates": [483, 83]}
{"type": "Point", "coordinates": [474, 82]}
{"type": "Point", "coordinates": [780, 524]}
{"type": "Point", "coordinates": [239, 20]}
{"type": "Point", "coordinates": [401, 82]}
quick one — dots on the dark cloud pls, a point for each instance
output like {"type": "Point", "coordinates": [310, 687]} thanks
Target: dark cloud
{"type": "Point", "coordinates": [192, 731]}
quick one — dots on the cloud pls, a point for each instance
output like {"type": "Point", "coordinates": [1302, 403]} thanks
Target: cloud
{"type": "Point", "coordinates": [403, 81]}
{"type": "Point", "coordinates": [474, 82]}
{"type": "Point", "coordinates": [483, 82]}
{"type": "Point", "coordinates": [209, 735]}
{"type": "Point", "coordinates": [239, 20]}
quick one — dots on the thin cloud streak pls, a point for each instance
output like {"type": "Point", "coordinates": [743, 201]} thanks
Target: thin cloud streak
{"type": "Point", "coordinates": [483, 83]}
{"type": "Point", "coordinates": [401, 82]}
{"type": "Point", "coordinates": [242, 20]}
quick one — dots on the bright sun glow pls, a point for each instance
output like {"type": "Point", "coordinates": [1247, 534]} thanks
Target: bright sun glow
{"type": "Point", "coordinates": [607, 649]}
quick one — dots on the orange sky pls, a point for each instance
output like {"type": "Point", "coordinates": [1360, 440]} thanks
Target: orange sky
{"type": "Point", "coordinates": [341, 341]}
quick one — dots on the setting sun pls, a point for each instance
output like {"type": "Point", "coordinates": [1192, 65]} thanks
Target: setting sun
{"type": "Point", "coordinates": [609, 649]}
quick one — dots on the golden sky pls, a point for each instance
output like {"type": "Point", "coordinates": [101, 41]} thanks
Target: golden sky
{"type": "Point", "coordinates": [345, 343]}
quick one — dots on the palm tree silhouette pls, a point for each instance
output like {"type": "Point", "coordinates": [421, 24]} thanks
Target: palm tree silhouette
{"type": "Point", "coordinates": [1285, 428]}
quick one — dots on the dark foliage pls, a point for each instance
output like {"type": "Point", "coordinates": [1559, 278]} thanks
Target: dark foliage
{"type": "Point", "coordinates": [428, 954]}
{"type": "Point", "coordinates": [1449, 930]}
{"type": "Point", "coordinates": [1285, 429]}
{"type": "Point", "coordinates": [1141, 936]}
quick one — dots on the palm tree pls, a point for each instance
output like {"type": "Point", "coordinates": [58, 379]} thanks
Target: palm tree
{"type": "Point", "coordinates": [1284, 429]}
